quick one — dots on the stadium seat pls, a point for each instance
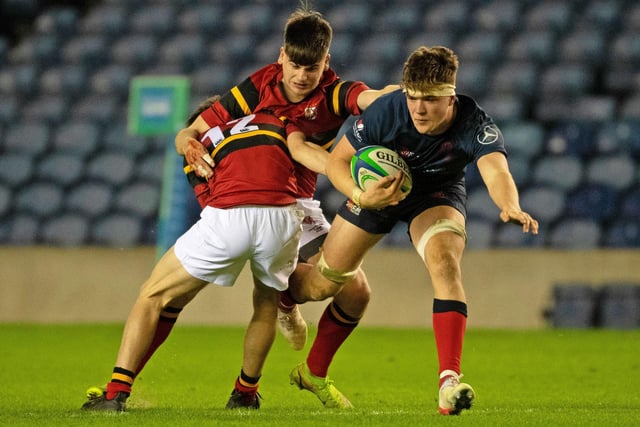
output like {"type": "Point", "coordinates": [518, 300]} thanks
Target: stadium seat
{"type": "Point", "coordinates": [621, 79]}
{"type": "Point", "coordinates": [135, 50]}
{"type": "Point", "coordinates": [451, 16]}
{"type": "Point", "coordinates": [537, 47]}
{"type": "Point", "coordinates": [65, 230]}
{"type": "Point", "coordinates": [230, 50]}
{"type": "Point", "coordinates": [511, 236]}
{"type": "Point", "coordinates": [117, 138]}
{"type": "Point", "coordinates": [564, 172]}
{"type": "Point", "coordinates": [545, 203]}
{"type": "Point", "coordinates": [472, 79]}
{"type": "Point", "coordinates": [40, 199]}
{"type": "Point", "coordinates": [50, 109]}
{"type": "Point", "coordinates": [66, 80]}
{"type": "Point", "coordinates": [350, 17]}
{"type": "Point", "coordinates": [151, 168]}
{"type": "Point", "coordinates": [142, 199]}
{"type": "Point", "coordinates": [615, 171]}
{"type": "Point", "coordinates": [63, 169]}
{"type": "Point", "coordinates": [574, 233]}
{"type": "Point", "coordinates": [254, 18]}
{"type": "Point", "coordinates": [19, 80]}
{"type": "Point", "coordinates": [112, 81]}
{"type": "Point", "coordinates": [517, 78]}
{"type": "Point", "coordinates": [549, 15]}
{"type": "Point", "coordinates": [623, 233]}
{"type": "Point", "coordinates": [625, 48]}
{"type": "Point", "coordinates": [57, 21]}
{"type": "Point", "coordinates": [385, 48]}
{"type": "Point", "coordinates": [404, 16]}
{"type": "Point", "coordinates": [20, 229]}
{"type": "Point", "coordinates": [27, 136]}
{"type": "Point", "coordinates": [88, 50]}
{"type": "Point", "coordinates": [480, 205]}
{"type": "Point", "coordinates": [203, 18]}
{"type": "Point", "coordinates": [619, 306]}
{"type": "Point", "coordinates": [480, 233]}
{"type": "Point", "coordinates": [520, 170]}
{"type": "Point", "coordinates": [16, 169]}
{"type": "Point", "coordinates": [600, 109]}
{"type": "Point", "coordinates": [159, 20]}
{"type": "Point", "coordinates": [592, 201]}
{"type": "Point", "coordinates": [619, 137]}
{"type": "Point", "coordinates": [630, 108]}
{"type": "Point", "coordinates": [5, 202]}
{"type": "Point", "coordinates": [586, 46]}
{"type": "Point", "coordinates": [114, 168]}
{"type": "Point", "coordinates": [185, 50]}
{"type": "Point", "coordinates": [565, 80]}
{"type": "Point", "coordinates": [97, 110]}
{"type": "Point", "coordinates": [499, 15]}
{"type": "Point", "coordinates": [78, 137]}
{"type": "Point", "coordinates": [572, 138]}
{"type": "Point", "coordinates": [110, 20]}
{"type": "Point", "coordinates": [630, 204]}
{"type": "Point", "coordinates": [430, 38]}
{"type": "Point", "coordinates": [574, 305]}
{"type": "Point", "coordinates": [91, 199]}
{"type": "Point", "coordinates": [9, 106]}
{"type": "Point", "coordinates": [40, 50]}
{"type": "Point", "coordinates": [479, 46]}
{"type": "Point", "coordinates": [504, 108]}
{"type": "Point", "coordinates": [118, 230]}
{"type": "Point", "coordinates": [523, 139]}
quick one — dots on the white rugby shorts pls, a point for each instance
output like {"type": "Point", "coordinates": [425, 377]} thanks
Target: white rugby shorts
{"type": "Point", "coordinates": [314, 226]}
{"type": "Point", "coordinates": [219, 244]}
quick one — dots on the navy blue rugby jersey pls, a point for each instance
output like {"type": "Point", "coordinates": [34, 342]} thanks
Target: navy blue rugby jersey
{"type": "Point", "coordinates": [434, 160]}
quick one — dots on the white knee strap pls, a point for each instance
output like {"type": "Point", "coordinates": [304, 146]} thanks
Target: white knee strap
{"type": "Point", "coordinates": [332, 274]}
{"type": "Point", "coordinates": [439, 226]}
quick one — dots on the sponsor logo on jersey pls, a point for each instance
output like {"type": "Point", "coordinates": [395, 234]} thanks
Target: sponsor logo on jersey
{"type": "Point", "coordinates": [489, 135]}
{"type": "Point", "coordinates": [358, 127]}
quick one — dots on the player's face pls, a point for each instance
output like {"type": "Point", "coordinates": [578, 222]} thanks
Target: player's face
{"type": "Point", "coordinates": [300, 80]}
{"type": "Point", "coordinates": [431, 115]}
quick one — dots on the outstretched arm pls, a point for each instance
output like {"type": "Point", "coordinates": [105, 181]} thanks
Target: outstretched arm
{"type": "Point", "coordinates": [368, 96]}
{"type": "Point", "coordinates": [495, 173]}
{"type": "Point", "coordinates": [311, 155]}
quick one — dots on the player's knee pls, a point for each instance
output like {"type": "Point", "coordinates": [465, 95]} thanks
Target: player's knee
{"type": "Point", "coordinates": [358, 289]}
{"type": "Point", "coordinates": [440, 226]}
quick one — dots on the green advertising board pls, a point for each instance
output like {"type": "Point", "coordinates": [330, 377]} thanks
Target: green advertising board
{"type": "Point", "coordinates": [158, 104]}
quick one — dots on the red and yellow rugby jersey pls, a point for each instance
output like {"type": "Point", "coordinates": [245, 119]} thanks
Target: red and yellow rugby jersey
{"type": "Point", "coordinates": [319, 116]}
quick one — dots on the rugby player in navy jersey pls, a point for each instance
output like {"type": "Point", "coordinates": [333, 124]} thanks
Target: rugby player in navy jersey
{"type": "Point", "coordinates": [437, 133]}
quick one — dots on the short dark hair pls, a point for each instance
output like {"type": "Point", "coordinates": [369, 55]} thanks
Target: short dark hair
{"type": "Point", "coordinates": [307, 36]}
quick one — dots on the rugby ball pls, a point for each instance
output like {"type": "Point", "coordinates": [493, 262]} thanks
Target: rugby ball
{"type": "Point", "coordinates": [371, 163]}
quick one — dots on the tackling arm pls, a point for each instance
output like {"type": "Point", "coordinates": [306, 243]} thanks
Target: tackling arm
{"type": "Point", "coordinates": [187, 145]}
{"type": "Point", "coordinates": [307, 153]}
{"type": "Point", "coordinates": [368, 96]}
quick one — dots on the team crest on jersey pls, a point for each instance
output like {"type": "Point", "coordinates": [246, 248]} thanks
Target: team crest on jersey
{"type": "Point", "coordinates": [489, 135]}
{"type": "Point", "coordinates": [311, 113]}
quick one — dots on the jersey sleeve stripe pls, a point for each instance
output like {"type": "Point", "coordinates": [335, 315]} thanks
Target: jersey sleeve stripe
{"type": "Point", "coordinates": [241, 101]}
{"type": "Point", "coordinates": [335, 99]}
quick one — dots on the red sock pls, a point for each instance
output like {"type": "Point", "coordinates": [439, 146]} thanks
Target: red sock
{"type": "Point", "coordinates": [331, 334]}
{"type": "Point", "coordinates": [449, 324]}
{"type": "Point", "coordinates": [166, 322]}
{"type": "Point", "coordinates": [121, 380]}
{"type": "Point", "coordinates": [286, 302]}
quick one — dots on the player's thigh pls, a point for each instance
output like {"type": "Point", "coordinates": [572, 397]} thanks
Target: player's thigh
{"type": "Point", "coordinates": [170, 281]}
{"type": "Point", "coordinates": [346, 245]}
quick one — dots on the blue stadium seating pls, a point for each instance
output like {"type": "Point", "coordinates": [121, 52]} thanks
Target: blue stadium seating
{"type": "Point", "coordinates": [560, 78]}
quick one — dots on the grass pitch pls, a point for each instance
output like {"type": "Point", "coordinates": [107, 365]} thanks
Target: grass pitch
{"type": "Point", "coordinates": [522, 378]}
